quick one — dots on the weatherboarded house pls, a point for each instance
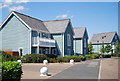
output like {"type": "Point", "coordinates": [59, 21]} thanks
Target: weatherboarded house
{"type": "Point", "coordinates": [28, 35]}
{"type": "Point", "coordinates": [104, 38]}
{"type": "Point", "coordinates": [80, 41]}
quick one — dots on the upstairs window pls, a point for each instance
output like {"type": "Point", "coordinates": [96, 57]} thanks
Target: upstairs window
{"type": "Point", "coordinates": [85, 43]}
{"type": "Point", "coordinates": [68, 39]}
{"type": "Point", "coordinates": [43, 35]}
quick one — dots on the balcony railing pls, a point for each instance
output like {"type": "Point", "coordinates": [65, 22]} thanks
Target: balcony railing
{"type": "Point", "coordinates": [43, 42]}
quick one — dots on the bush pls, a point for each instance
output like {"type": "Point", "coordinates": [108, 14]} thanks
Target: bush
{"type": "Point", "coordinates": [51, 55]}
{"type": "Point", "coordinates": [34, 58]}
{"type": "Point", "coordinates": [68, 58]}
{"type": "Point", "coordinates": [11, 71]}
{"type": "Point", "coordinates": [6, 57]}
{"type": "Point", "coordinates": [106, 55]}
{"type": "Point", "coordinates": [92, 56]}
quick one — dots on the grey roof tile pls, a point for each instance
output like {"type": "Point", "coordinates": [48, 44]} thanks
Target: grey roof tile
{"type": "Point", "coordinates": [33, 23]}
{"type": "Point", "coordinates": [57, 26]}
{"type": "Point", "coordinates": [79, 32]}
{"type": "Point", "coordinates": [102, 38]}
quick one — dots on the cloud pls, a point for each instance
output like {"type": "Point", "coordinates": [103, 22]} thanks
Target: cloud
{"type": "Point", "coordinates": [71, 16]}
{"type": "Point", "coordinates": [8, 3]}
{"type": "Point", "coordinates": [14, 8]}
{"type": "Point", "coordinates": [22, 1]}
{"type": "Point", "coordinates": [62, 16]}
{"type": "Point", "coordinates": [4, 6]}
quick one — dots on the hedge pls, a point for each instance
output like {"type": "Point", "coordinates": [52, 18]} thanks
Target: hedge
{"type": "Point", "coordinates": [68, 58]}
{"type": "Point", "coordinates": [11, 70]}
{"type": "Point", "coordinates": [92, 56]}
{"type": "Point", "coordinates": [8, 57]}
{"type": "Point", "coordinates": [34, 58]}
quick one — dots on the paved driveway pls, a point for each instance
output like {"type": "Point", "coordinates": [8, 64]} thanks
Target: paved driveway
{"type": "Point", "coordinates": [90, 69]}
{"type": "Point", "coordinates": [85, 70]}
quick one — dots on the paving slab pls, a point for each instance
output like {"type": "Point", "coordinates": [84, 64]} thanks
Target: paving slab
{"type": "Point", "coordinates": [109, 68]}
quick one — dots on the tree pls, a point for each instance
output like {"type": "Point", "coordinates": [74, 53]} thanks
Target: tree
{"type": "Point", "coordinates": [102, 49]}
{"type": "Point", "coordinates": [90, 48]}
{"type": "Point", "coordinates": [117, 47]}
{"type": "Point", "coordinates": [108, 48]}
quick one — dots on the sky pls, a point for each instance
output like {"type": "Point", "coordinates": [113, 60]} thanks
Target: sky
{"type": "Point", "coordinates": [97, 17]}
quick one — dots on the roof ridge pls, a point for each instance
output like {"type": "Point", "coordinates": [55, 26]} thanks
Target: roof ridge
{"type": "Point", "coordinates": [56, 20]}
{"type": "Point", "coordinates": [104, 33]}
{"type": "Point", "coordinates": [78, 27]}
{"type": "Point", "coordinates": [27, 16]}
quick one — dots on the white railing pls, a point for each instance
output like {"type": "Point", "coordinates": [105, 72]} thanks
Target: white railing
{"type": "Point", "coordinates": [46, 42]}
{"type": "Point", "coordinates": [43, 42]}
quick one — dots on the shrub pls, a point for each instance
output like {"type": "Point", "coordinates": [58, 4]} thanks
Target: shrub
{"type": "Point", "coordinates": [11, 70]}
{"type": "Point", "coordinates": [15, 58]}
{"type": "Point", "coordinates": [106, 55]}
{"type": "Point", "coordinates": [68, 58]}
{"type": "Point", "coordinates": [34, 58]}
{"type": "Point", "coordinates": [51, 60]}
{"type": "Point", "coordinates": [6, 57]}
{"type": "Point", "coordinates": [92, 56]}
{"type": "Point", "coordinates": [51, 55]}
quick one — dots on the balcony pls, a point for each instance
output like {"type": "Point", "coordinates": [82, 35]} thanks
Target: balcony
{"type": "Point", "coordinates": [43, 42]}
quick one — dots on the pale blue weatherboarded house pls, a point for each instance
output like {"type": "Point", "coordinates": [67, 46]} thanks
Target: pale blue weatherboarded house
{"type": "Point", "coordinates": [104, 38]}
{"type": "Point", "coordinates": [80, 41]}
{"type": "Point", "coordinates": [28, 35]}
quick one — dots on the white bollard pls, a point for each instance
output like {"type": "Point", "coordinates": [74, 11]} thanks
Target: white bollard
{"type": "Point", "coordinates": [45, 62]}
{"type": "Point", "coordinates": [44, 71]}
{"type": "Point", "coordinates": [71, 61]}
{"type": "Point", "coordinates": [19, 61]}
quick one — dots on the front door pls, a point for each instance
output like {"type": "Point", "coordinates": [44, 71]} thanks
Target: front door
{"type": "Point", "coordinates": [21, 51]}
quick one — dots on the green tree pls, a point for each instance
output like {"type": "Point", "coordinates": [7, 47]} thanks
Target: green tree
{"type": "Point", "coordinates": [117, 47]}
{"type": "Point", "coordinates": [90, 48]}
{"type": "Point", "coordinates": [108, 48]}
{"type": "Point", "coordinates": [102, 49]}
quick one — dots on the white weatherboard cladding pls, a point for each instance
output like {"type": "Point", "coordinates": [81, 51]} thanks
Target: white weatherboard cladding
{"type": "Point", "coordinates": [15, 35]}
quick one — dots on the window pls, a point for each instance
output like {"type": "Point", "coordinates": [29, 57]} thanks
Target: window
{"type": "Point", "coordinates": [34, 40]}
{"type": "Point", "coordinates": [39, 35]}
{"type": "Point", "coordinates": [85, 42]}
{"type": "Point", "coordinates": [53, 51]}
{"type": "Point", "coordinates": [68, 52]}
{"type": "Point", "coordinates": [115, 37]}
{"type": "Point", "coordinates": [43, 35]}
{"type": "Point", "coordinates": [68, 40]}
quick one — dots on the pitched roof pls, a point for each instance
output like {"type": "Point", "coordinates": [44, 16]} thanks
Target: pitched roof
{"type": "Point", "coordinates": [102, 38]}
{"type": "Point", "coordinates": [33, 23]}
{"type": "Point", "coordinates": [57, 26]}
{"type": "Point", "coordinates": [79, 32]}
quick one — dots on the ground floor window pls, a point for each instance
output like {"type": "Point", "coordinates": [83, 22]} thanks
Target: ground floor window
{"type": "Point", "coordinates": [68, 52]}
{"type": "Point", "coordinates": [40, 51]}
{"type": "Point", "coordinates": [53, 51]}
